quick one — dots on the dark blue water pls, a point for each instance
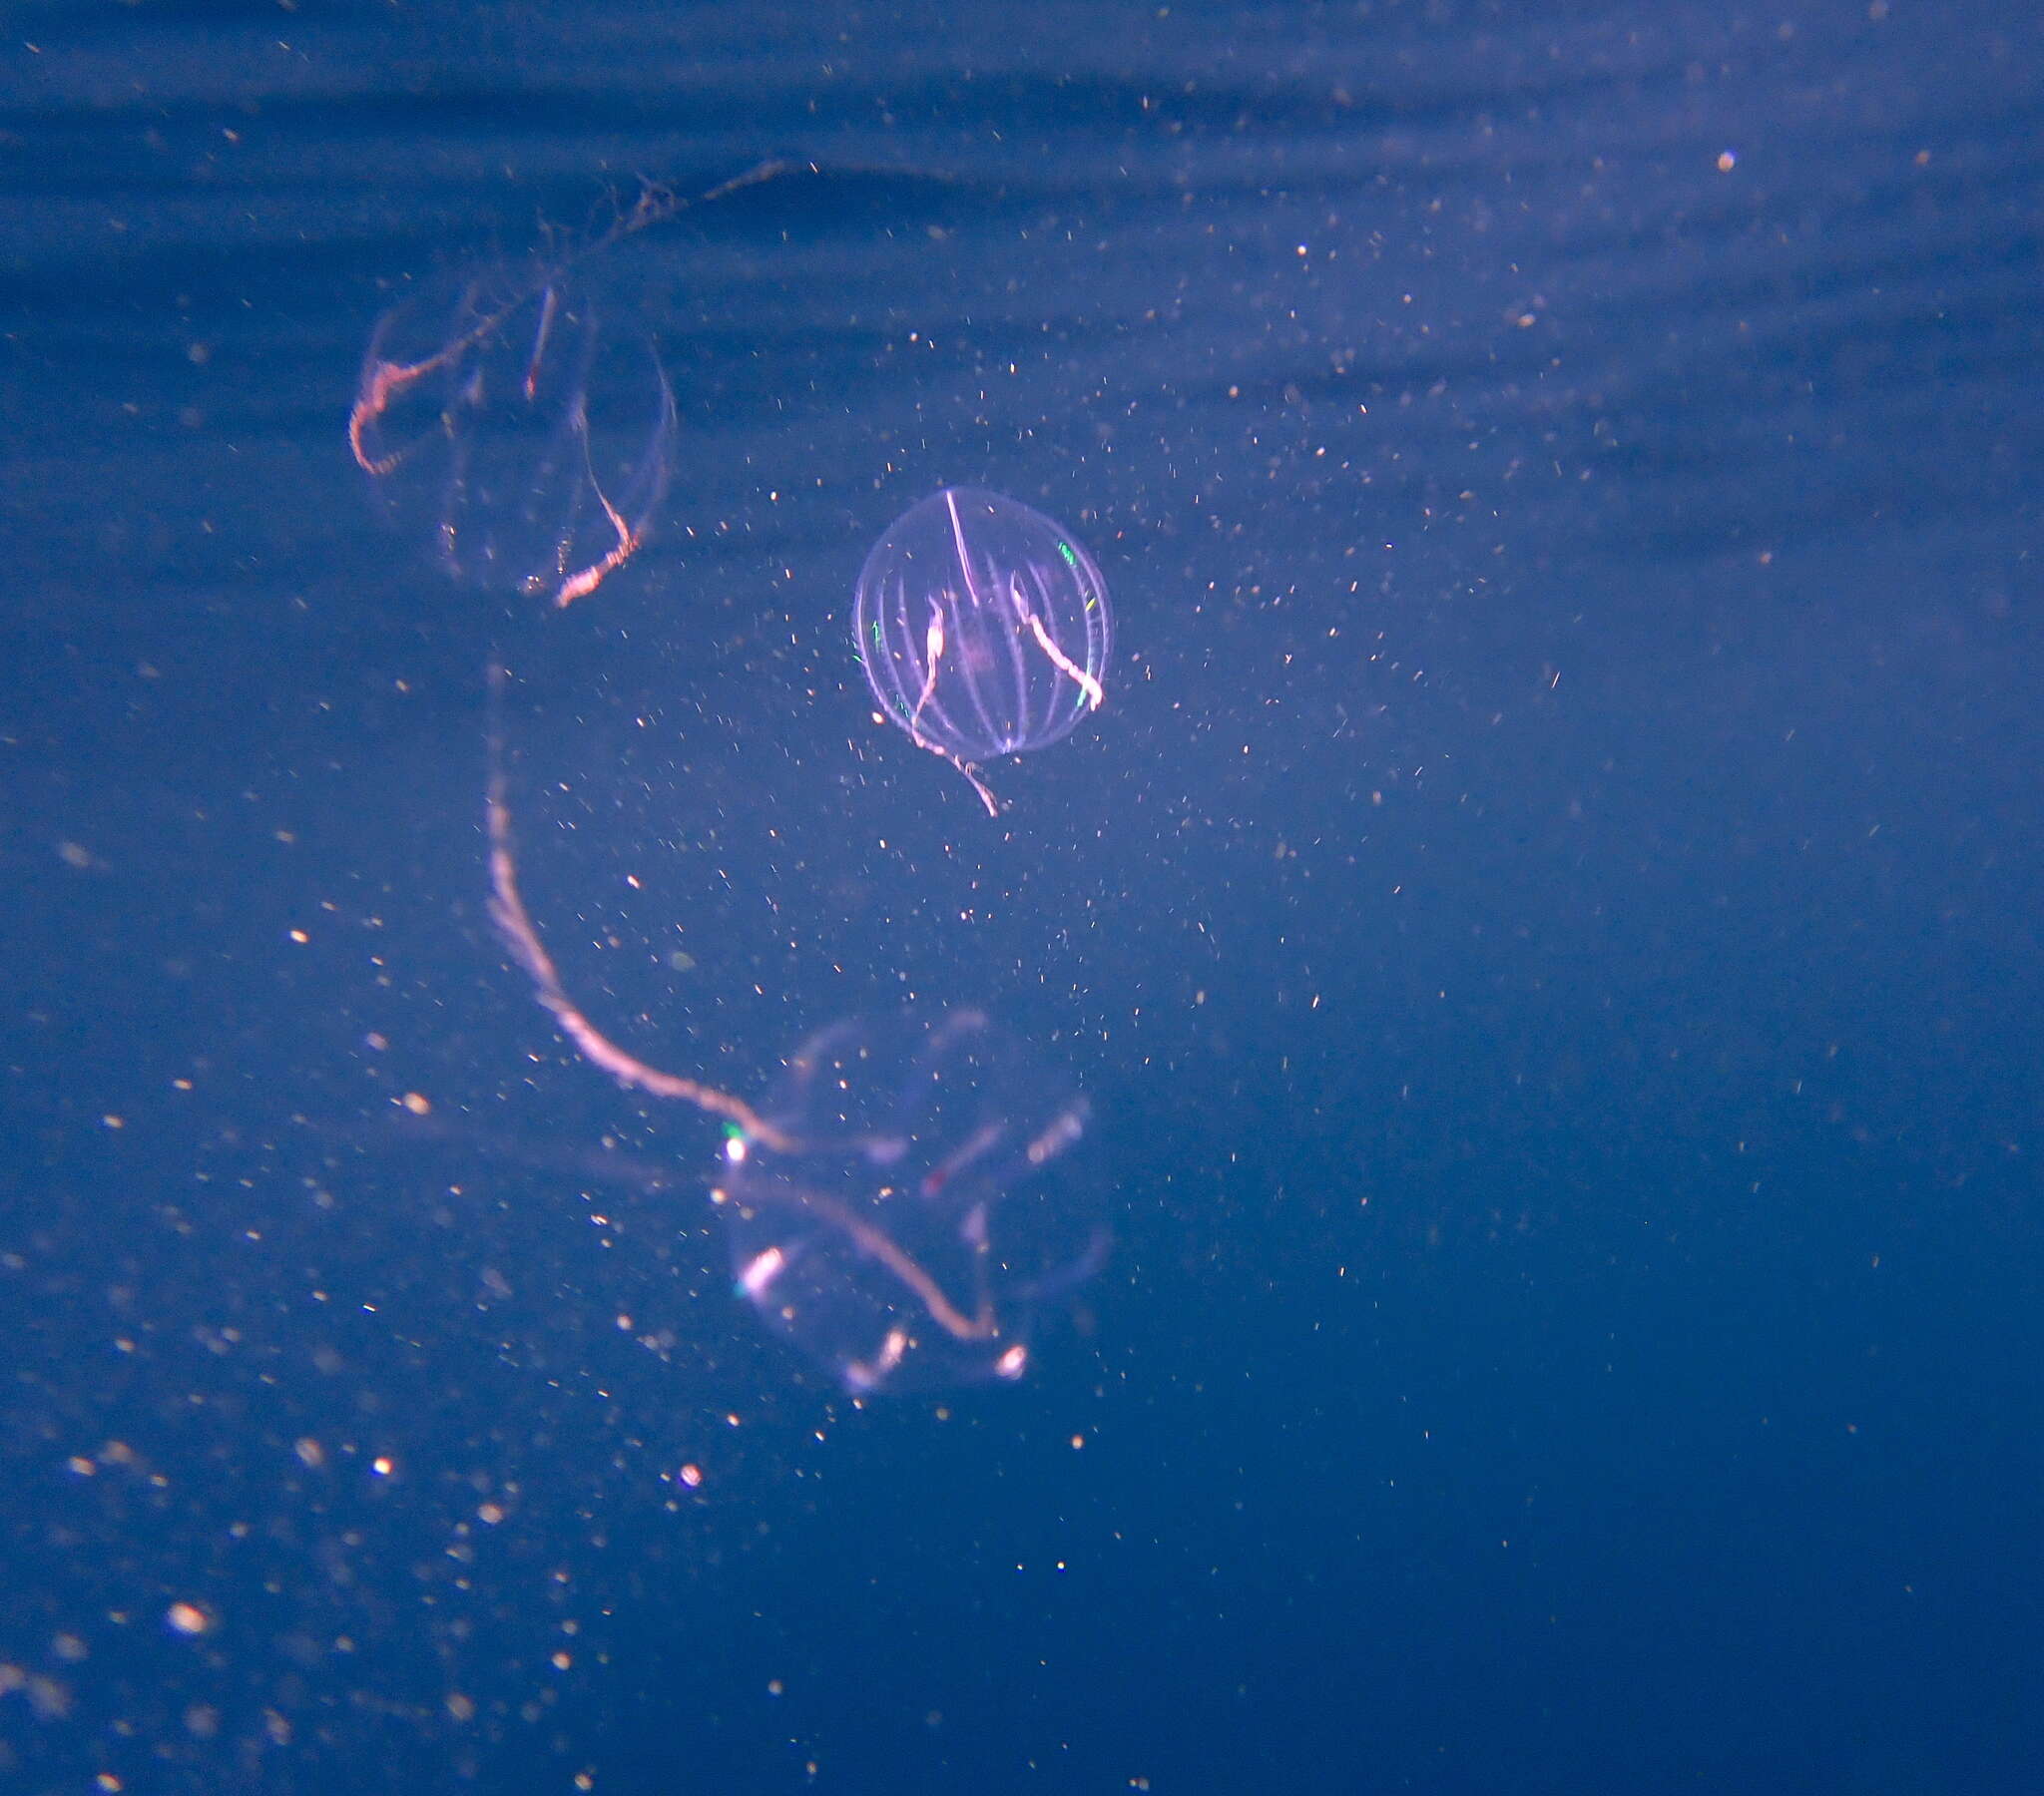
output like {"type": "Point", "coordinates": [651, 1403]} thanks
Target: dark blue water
{"type": "Point", "coordinates": [1546, 916]}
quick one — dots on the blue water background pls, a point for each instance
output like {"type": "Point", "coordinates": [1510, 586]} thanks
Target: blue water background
{"type": "Point", "coordinates": [1547, 917]}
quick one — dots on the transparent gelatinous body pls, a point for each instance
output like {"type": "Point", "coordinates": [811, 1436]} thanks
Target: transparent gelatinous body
{"type": "Point", "coordinates": [983, 628]}
{"type": "Point", "coordinates": [907, 1214]}
{"type": "Point", "coordinates": [900, 1205]}
{"type": "Point", "coordinates": [524, 441]}
{"type": "Point", "coordinates": [501, 420]}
